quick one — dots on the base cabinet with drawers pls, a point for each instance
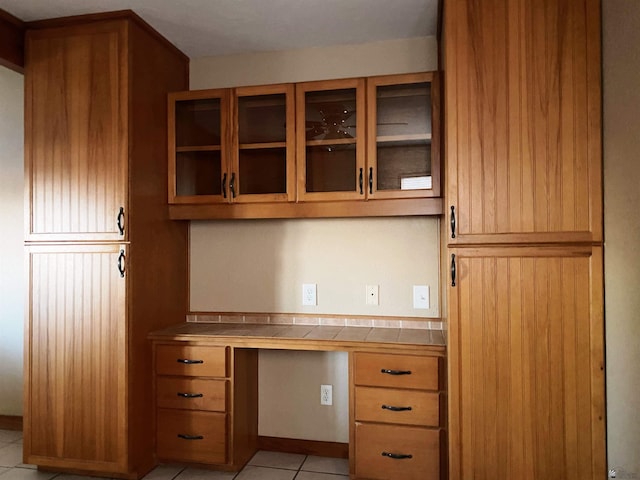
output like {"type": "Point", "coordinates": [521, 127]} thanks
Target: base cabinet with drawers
{"type": "Point", "coordinates": [398, 416]}
{"type": "Point", "coordinates": [207, 407]}
{"type": "Point", "coordinates": [206, 404]}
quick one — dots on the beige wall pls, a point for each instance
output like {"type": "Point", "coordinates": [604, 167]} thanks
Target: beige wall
{"type": "Point", "coordinates": [621, 70]}
{"type": "Point", "coordinates": [11, 241]}
{"type": "Point", "coordinates": [343, 61]}
{"type": "Point", "coordinates": [260, 265]}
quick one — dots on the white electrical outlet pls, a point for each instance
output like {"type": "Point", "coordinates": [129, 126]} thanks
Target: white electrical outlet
{"type": "Point", "coordinates": [326, 394]}
{"type": "Point", "coordinates": [421, 296]}
{"type": "Point", "coordinates": [372, 295]}
{"type": "Point", "coordinates": [309, 294]}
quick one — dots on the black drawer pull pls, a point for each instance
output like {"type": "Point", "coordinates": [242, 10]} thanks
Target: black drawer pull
{"type": "Point", "coordinates": [396, 409]}
{"type": "Point", "coordinates": [395, 372]}
{"type": "Point", "coordinates": [190, 437]}
{"type": "Point", "coordinates": [190, 395]}
{"type": "Point", "coordinates": [186, 361]}
{"type": "Point", "coordinates": [396, 456]}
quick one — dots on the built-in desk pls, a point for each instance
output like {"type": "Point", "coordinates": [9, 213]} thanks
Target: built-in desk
{"type": "Point", "coordinates": [207, 394]}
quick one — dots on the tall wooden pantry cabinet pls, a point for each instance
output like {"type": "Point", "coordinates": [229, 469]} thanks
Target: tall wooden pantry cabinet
{"type": "Point", "coordinates": [524, 208]}
{"type": "Point", "coordinates": [104, 264]}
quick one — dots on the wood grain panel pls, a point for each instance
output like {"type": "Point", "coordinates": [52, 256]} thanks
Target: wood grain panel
{"type": "Point", "coordinates": [526, 328]}
{"type": "Point", "coordinates": [205, 434]}
{"type": "Point", "coordinates": [191, 394]}
{"type": "Point", "coordinates": [11, 42]}
{"type": "Point", "coordinates": [76, 145]}
{"type": "Point", "coordinates": [422, 444]}
{"type": "Point", "coordinates": [421, 408]}
{"type": "Point", "coordinates": [523, 120]}
{"type": "Point", "coordinates": [75, 370]}
{"type": "Point", "coordinates": [407, 371]}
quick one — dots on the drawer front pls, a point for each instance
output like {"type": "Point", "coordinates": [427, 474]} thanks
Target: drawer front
{"type": "Point", "coordinates": [406, 407]}
{"type": "Point", "coordinates": [401, 371]}
{"type": "Point", "coordinates": [191, 360]}
{"type": "Point", "coordinates": [373, 442]}
{"type": "Point", "coordinates": [191, 393]}
{"type": "Point", "coordinates": [186, 436]}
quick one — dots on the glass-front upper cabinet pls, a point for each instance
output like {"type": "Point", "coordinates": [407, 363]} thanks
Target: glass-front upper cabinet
{"type": "Point", "coordinates": [232, 145]}
{"type": "Point", "coordinates": [330, 128]}
{"type": "Point", "coordinates": [198, 144]}
{"type": "Point", "coordinates": [403, 133]}
{"type": "Point", "coordinates": [263, 153]}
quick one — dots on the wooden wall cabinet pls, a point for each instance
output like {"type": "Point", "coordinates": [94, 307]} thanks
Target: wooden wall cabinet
{"type": "Point", "coordinates": [527, 363]}
{"type": "Point", "coordinates": [403, 136]}
{"type": "Point", "coordinates": [232, 145]}
{"type": "Point", "coordinates": [525, 295]}
{"type": "Point", "coordinates": [523, 108]}
{"type": "Point", "coordinates": [352, 140]}
{"type": "Point", "coordinates": [330, 131]}
{"type": "Point", "coordinates": [97, 232]}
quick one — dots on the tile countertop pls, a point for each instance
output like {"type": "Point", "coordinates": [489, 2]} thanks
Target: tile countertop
{"type": "Point", "coordinates": [305, 337]}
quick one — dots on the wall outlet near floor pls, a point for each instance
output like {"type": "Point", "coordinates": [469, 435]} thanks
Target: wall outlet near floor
{"type": "Point", "coordinates": [326, 394]}
{"type": "Point", "coordinates": [372, 294]}
{"type": "Point", "coordinates": [309, 294]}
{"type": "Point", "coordinates": [620, 473]}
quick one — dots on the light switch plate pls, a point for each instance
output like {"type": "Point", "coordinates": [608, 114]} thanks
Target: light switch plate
{"type": "Point", "coordinates": [372, 295]}
{"type": "Point", "coordinates": [421, 297]}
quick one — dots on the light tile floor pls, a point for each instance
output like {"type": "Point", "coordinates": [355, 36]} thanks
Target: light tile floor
{"type": "Point", "coordinates": [263, 466]}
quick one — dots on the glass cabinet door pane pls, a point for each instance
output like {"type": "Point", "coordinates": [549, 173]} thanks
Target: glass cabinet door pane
{"type": "Point", "coordinates": [331, 168]}
{"type": "Point", "coordinates": [263, 171]}
{"type": "Point", "coordinates": [403, 125]}
{"type": "Point", "coordinates": [198, 122]}
{"type": "Point", "coordinates": [198, 173]}
{"type": "Point", "coordinates": [331, 115]}
{"type": "Point", "coordinates": [262, 119]}
{"type": "Point", "coordinates": [262, 137]}
{"type": "Point", "coordinates": [330, 132]}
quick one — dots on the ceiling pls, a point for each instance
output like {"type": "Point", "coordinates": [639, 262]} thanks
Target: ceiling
{"type": "Point", "coordinates": [222, 27]}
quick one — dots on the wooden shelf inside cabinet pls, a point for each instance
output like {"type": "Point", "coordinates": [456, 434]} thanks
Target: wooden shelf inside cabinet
{"type": "Point", "coordinates": [411, 138]}
{"type": "Point", "coordinates": [258, 146]}
{"type": "Point", "coordinates": [199, 148]}
{"type": "Point", "coordinates": [329, 142]}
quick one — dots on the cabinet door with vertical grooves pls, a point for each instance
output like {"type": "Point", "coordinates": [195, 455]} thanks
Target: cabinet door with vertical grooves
{"type": "Point", "coordinates": [76, 140]}
{"type": "Point", "coordinates": [526, 365]}
{"type": "Point", "coordinates": [75, 365]}
{"type": "Point", "coordinates": [523, 120]}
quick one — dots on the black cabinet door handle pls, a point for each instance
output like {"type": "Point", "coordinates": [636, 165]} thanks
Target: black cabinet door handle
{"type": "Point", "coordinates": [224, 185]}
{"type": "Point", "coordinates": [396, 456]}
{"type": "Point", "coordinates": [232, 185]}
{"type": "Point", "coordinates": [453, 221]}
{"type": "Point", "coordinates": [190, 437]}
{"type": "Point", "coordinates": [371, 180]}
{"type": "Point", "coordinates": [190, 395]}
{"type": "Point", "coordinates": [453, 270]}
{"type": "Point", "coordinates": [396, 409]}
{"type": "Point", "coordinates": [120, 221]}
{"type": "Point", "coordinates": [361, 182]}
{"type": "Point", "coordinates": [121, 258]}
{"type": "Point", "coordinates": [395, 372]}
{"type": "Point", "coordinates": [187, 361]}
